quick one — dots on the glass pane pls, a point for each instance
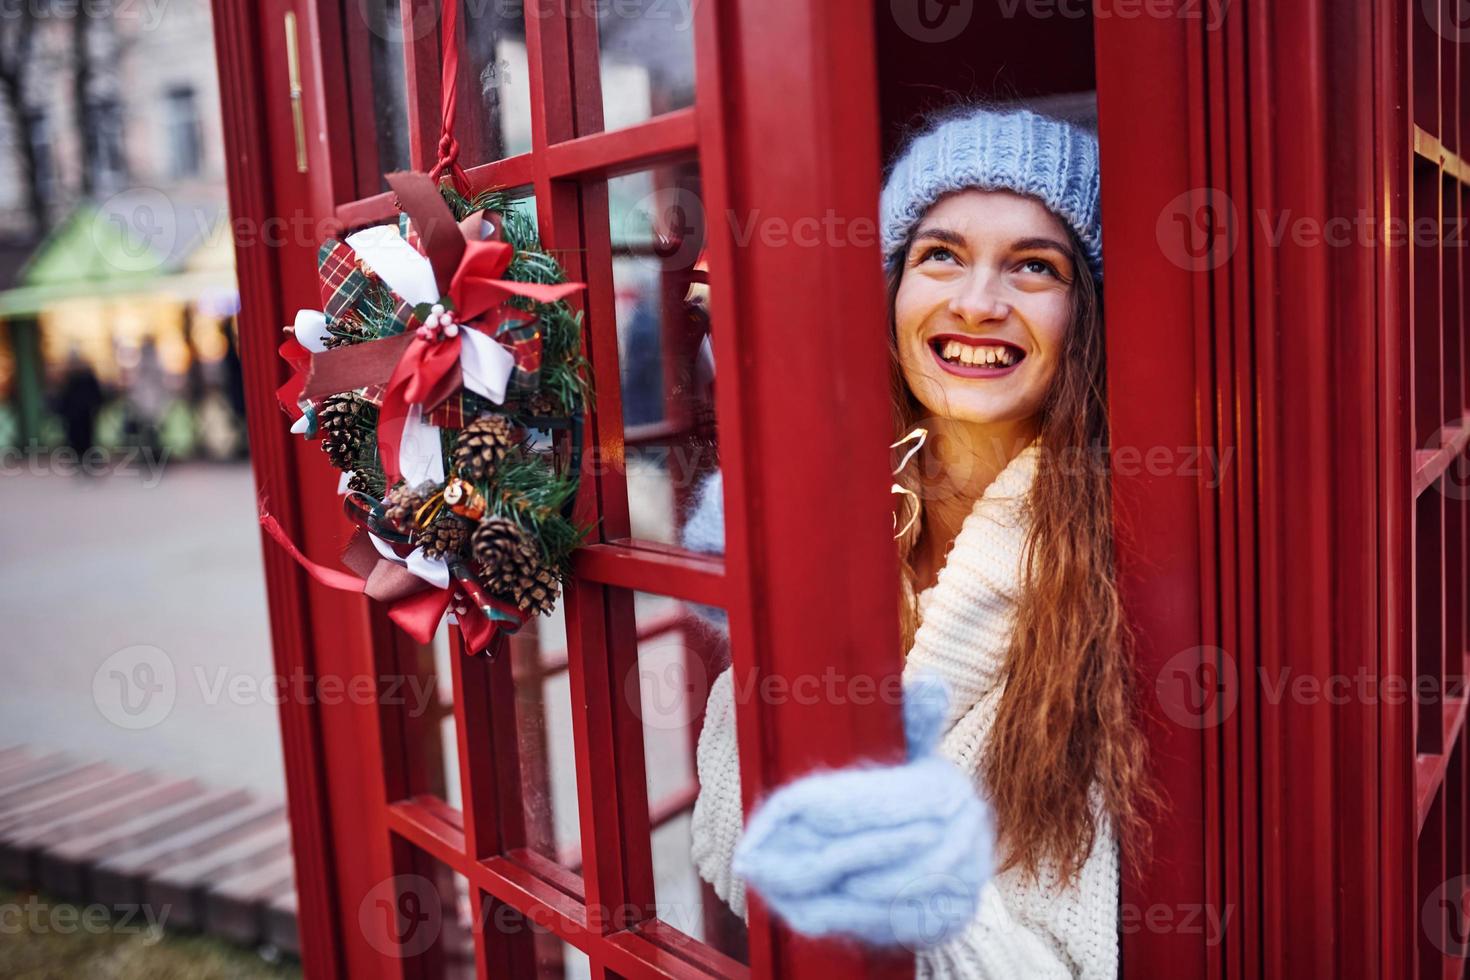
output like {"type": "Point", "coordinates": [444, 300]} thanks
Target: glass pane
{"type": "Point", "coordinates": [495, 119]}
{"type": "Point", "coordinates": [557, 959]}
{"type": "Point", "coordinates": [681, 650]}
{"type": "Point", "coordinates": [666, 358]}
{"type": "Point", "coordinates": [647, 59]}
{"type": "Point", "coordinates": [448, 737]}
{"type": "Point", "coordinates": [544, 710]}
{"type": "Point", "coordinates": [545, 744]}
{"type": "Point", "coordinates": [390, 92]}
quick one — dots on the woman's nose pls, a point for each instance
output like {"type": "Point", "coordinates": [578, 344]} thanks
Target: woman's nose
{"type": "Point", "coordinates": [979, 299]}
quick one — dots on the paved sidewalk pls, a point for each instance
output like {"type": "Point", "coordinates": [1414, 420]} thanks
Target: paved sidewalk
{"type": "Point", "coordinates": [128, 601]}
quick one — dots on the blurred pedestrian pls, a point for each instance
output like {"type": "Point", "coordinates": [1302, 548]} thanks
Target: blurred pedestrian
{"type": "Point", "coordinates": [79, 400]}
{"type": "Point", "coordinates": [148, 395]}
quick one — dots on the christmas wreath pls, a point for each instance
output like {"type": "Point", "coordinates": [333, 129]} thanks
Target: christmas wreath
{"type": "Point", "coordinates": [444, 376]}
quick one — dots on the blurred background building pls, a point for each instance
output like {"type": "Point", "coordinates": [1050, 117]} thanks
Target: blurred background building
{"type": "Point", "coordinates": [117, 289]}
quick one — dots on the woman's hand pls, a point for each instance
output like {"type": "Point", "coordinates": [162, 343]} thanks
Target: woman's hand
{"type": "Point", "coordinates": [892, 855]}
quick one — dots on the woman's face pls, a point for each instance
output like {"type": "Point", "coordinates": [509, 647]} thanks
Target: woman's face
{"type": "Point", "coordinates": [983, 305]}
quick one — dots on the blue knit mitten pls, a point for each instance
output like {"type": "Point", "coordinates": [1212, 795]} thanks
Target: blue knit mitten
{"type": "Point", "coordinates": [892, 855]}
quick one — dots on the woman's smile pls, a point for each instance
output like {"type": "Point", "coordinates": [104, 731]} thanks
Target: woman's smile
{"type": "Point", "coordinates": [976, 357]}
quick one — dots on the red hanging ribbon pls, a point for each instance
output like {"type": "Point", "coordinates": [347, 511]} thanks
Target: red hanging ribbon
{"type": "Point", "coordinates": [415, 606]}
{"type": "Point", "coordinates": [449, 97]}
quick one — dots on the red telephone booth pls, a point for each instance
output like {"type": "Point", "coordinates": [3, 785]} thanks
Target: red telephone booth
{"type": "Point", "coordinates": [1282, 195]}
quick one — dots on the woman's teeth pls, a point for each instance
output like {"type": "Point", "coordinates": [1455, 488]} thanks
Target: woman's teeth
{"type": "Point", "coordinates": [969, 354]}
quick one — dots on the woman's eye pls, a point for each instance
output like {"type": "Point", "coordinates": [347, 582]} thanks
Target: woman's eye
{"type": "Point", "coordinates": [936, 252]}
{"type": "Point", "coordinates": [1039, 266]}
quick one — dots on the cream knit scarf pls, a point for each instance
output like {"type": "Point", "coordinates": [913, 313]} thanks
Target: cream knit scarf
{"type": "Point", "coordinates": [967, 616]}
{"type": "Point", "coordinates": [1026, 928]}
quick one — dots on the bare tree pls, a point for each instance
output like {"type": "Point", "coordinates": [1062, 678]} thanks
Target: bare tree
{"type": "Point", "coordinates": [17, 46]}
{"type": "Point", "coordinates": [81, 60]}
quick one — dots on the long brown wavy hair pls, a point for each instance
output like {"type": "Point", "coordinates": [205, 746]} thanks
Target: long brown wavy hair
{"type": "Point", "coordinates": [1065, 750]}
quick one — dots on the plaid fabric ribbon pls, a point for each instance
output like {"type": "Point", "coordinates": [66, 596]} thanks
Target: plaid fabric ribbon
{"type": "Point", "coordinates": [449, 415]}
{"type": "Point", "coordinates": [523, 340]}
{"type": "Point", "coordinates": [342, 280]}
{"type": "Point", "coordinates": [403, 318]}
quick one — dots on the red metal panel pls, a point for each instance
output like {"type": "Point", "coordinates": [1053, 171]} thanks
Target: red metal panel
{"type": "Point", "coordinates": [1238, 844]}
{"type": "Point", "coordinates": [788, 130]}
{"type": "Point", "coordinates": [1297, 364]}
{"type": "Point", "coordinates": [248, 149]}
{"type": "Point", "coordinates": [647, 567]}
{"type": "Point", "coordinates": [1393, 118]}
{"type": "Point", "coordinates": [622, 150]}
{"type": "Point", "coordinates": [1153, 332]}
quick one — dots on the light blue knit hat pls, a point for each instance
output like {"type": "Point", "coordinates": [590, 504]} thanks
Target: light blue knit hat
{"type": "Point", "coordinates": [1016, 150]}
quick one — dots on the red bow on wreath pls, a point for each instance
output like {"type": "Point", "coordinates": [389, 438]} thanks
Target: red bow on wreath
{"type": "Point", "coordinates": [460, 331]}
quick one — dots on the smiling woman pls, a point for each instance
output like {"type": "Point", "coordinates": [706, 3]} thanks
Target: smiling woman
{"type": "Point", "coordinates": [993, 250]}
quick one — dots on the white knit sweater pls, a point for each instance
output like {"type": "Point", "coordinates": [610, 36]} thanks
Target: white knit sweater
{"type": "Point", "coordinates": [1025, 928]}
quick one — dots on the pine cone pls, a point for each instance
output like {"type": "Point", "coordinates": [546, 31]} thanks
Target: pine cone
{"type": "Point", "coordinates": [482, 445]}
{"type": "Point", "coordinates": [445, 537]}
{"type": "Point", "coordinates": [536, 591]}
{"type": "Point", "coordinates": [513, 567]}
{"type": "Point", "coordinates": [402, 503]}
{"type": "Point", "coordinates": [542, 405]}
{"type": "Point", "coordinates": [345, 331]}
{"type": "Point", "coordinates": [499, 543]}
{"type": "Point", "coordinates": [344, 421]}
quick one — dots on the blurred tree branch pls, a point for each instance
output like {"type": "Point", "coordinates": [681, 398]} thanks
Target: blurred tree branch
{"type": "Point", "coordinates": [81, 60]}
{"type": "Point", "coordinates": [17, 44]}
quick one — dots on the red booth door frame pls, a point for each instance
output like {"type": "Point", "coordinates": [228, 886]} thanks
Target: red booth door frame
{"type": "Point", "coordinates": [1288, 819]}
